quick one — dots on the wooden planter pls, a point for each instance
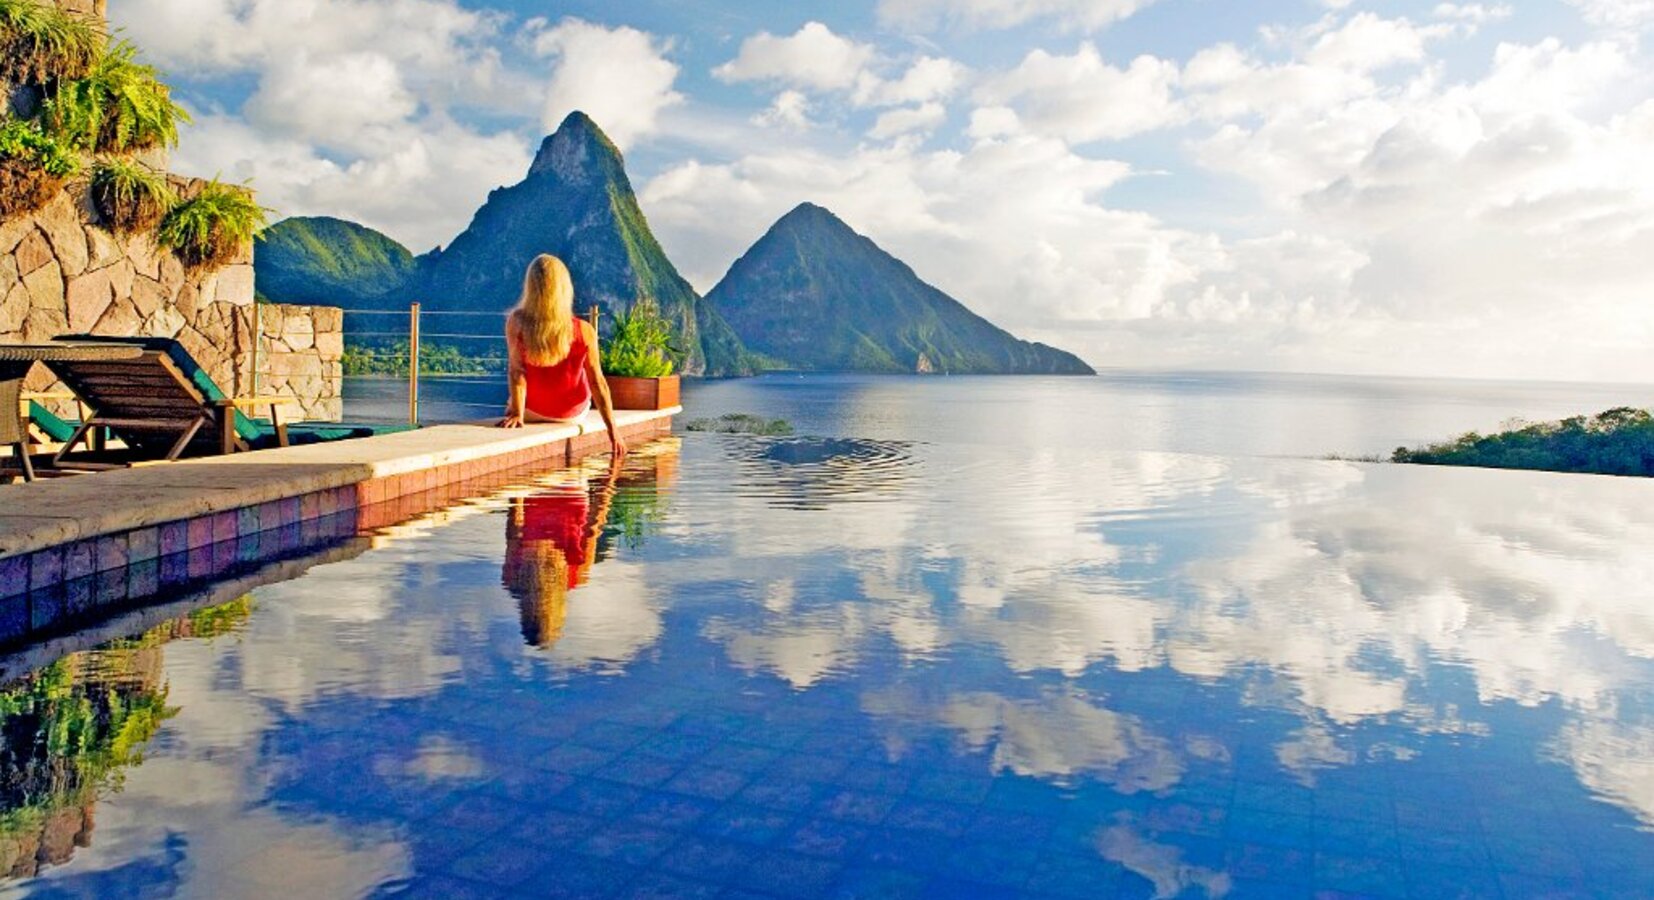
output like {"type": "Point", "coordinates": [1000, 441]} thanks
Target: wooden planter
{"type": "Point", "coordinates": [643, 393]}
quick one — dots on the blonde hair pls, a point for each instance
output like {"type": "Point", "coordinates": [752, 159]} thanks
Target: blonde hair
{"type": "Point", "coordinates": [544, 316]}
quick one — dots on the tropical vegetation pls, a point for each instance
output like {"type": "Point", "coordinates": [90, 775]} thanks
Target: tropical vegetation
{"type": "Point", "coordinates": [129, 195]}
{"type": "Point", "coordinates": [34, 165]}
{"type": "Point", "coordinates": [332, 262]}
{"type": "Point", "coordinates": [1619, 441]}
{"type": "Point", "coordinates": [40, 42]}
{"type": "Point", "coordinates": [208, 229]}
{"type": "Point", "coordinates": [434, 359]}
{"type": "Point", "coordinates": [120, 106]}
{"type": "Point", "coordinates": [640, 344]}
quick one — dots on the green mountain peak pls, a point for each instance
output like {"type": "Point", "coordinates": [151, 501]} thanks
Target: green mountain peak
{"type": "Point", "coordinates": [816, 295]}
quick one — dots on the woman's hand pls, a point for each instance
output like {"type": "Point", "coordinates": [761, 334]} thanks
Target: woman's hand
{"type": "Point", "coordinates": [512, 420]}
{"type": "Point", "coordinates": [617, 445]}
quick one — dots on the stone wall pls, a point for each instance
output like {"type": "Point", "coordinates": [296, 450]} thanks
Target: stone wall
{"type": "Point", "coordinates": [301, 354]}
{"type": "Point", "coordinates": [62, 272]}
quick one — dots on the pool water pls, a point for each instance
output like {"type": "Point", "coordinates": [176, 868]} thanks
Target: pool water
{"type": "Point", "coordinates": [745, 667]}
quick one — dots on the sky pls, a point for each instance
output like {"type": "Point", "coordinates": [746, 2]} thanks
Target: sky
{"type": "Point", "coordinates": [1409, 187]}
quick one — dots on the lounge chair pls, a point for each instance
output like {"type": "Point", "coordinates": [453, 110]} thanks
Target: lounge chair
{"type": "Point", "coordinates": [163, 405]}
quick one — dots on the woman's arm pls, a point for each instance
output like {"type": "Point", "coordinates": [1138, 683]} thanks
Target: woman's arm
{"type": "Point", "coordinates": [516, 399]}
{"type": "Point", "coordinates": [600, 389]}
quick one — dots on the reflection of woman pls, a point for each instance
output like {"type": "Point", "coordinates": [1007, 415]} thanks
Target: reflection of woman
{"type": "Point", "coordinates": [553, 364]}
{"type": "Point", "coordinates": [550, 546]}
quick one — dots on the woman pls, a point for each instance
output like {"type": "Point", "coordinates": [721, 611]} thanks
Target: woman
{"type": "Point", "coordinates": [553, 365]}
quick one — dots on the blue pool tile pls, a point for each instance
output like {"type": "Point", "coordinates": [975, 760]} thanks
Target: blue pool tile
{"type": "Point", "coordinates": [640, 770]}
{"type": "Point", "coordinates": [923, 815]}
{"type": "Point", "coordinates": [1275, 828]}
{"type": "Point", "coordinates": [799, 876]}
{"type": "Point", "coordinates": [479, 812]}
{"type": "Point", "coordinates": [1067, 875]}
{"type": "Point", "coordinates": [827, 838]}
{"type": "Point", "coordinates": [1355, 806]}
{"type": "Point", "coordinates": [552, 828]}
{"type": "Point", "coordinates": [709, 782]}
{"type": "Point", "coordinates": [629, 842]}
{"type": "Point", "coordinates": [1553, 887]}
{"type": "Point", "coordinates": [1356, 838]}
{"type": "Point", "coordinates": [1359, 874]}
{"type": "Point", "coordinates": [708, 859]}
{"type": "Point", "coordinates": [951, 787]}
{"type": "Point", "coordinates": [868, 883]}
{"type": "Point", "coordinates": [569, 876]}
{"type": "Point", "coordinates": [920, 851]}
{"type": "Point", "coordinates": [1002, 865]}
{"type": "Point", "coordinates": [575, 758]}
{"type": "Point", "coordinates": [504, 864]}
{"type": "Point", "coordinates": [1447, 883]}
{"type": "Point", "coordinates": [779, 792]}
{"type": "Point", "coordinates": [1267, 862]}
{"type": "Point", "coordinates": [661, 886]}
{"type": "Point", "coordinates": [673, 812]}
{"type": "Point", "coordinates": [875, 778]}
{"type": "Point", "coordinates": [428, 886]}
{"type": "Point", "coordinates": [1275, 796]}
{"type": "Point", "coordinates": [1024, 795]}
{"type": "Point", "coordinates": [953, 888]}
{"type": "Point", "coordinates": [596, 797]}
{"type": "Point", "coordinates": [1010, 827]}
{"type": "Point", "coordinates": [858, 807]}
{"type": "Point", "coordinates": [613, 735]}
{"type": "Point", "coordinates": [746, 824]}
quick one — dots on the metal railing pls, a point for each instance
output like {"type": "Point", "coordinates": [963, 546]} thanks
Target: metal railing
{"type": "Point", "coordinates": [376, 342]}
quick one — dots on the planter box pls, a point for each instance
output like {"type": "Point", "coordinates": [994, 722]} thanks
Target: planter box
{"type": "Point", "coordinates": [643, 393]}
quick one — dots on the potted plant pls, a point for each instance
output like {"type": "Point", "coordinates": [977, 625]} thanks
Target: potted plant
{"type": "Point", "coordinates": [637, 359]}
{"type": "Point", "coordinates": [33, 167]}
{"type": "Point", "coordinates": [208, 229]}
{"type": "Point", "coordinates": [129, 195]}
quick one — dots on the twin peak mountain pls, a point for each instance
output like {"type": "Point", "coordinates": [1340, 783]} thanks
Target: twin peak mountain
{"type": "Point", "coordinates": [811, 295]}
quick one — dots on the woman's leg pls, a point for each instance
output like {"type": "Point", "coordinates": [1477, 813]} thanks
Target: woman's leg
{"type": "Point", "coordinates": [532, 417]}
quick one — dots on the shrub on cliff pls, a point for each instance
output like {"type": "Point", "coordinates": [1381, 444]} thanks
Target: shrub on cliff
{"type": "Point", "coordinates": [208, 229]}
{"type": "Point", "coordinates": [120, 106]}
{"type": "Point", "coordinates": [39, 42]}
{"type": "Point", "coordinates": [1617, 442]}
{"type": "Point", "coordinates": [129, 195]}
{"type": "Point", "coordinates": [33, 166]}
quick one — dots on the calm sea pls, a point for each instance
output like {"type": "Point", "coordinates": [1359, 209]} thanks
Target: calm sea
{"type": "Point", "coordinates": [1224, 414]}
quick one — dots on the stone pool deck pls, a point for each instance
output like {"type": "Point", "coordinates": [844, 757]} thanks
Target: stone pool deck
{"type": "Point", "coordinates": [151, 526]}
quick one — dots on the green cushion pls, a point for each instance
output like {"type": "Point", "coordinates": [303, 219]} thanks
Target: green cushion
{"type": "Point", "coordinates": [319, 432]}
{"type": "Point", "coordinates": [244, 427]}
{"type": "Point", "coordinates": [50, 425]}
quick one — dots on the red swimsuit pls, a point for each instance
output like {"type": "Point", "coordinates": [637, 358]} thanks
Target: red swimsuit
{"type": "Point", "coordinates": [560, 390]}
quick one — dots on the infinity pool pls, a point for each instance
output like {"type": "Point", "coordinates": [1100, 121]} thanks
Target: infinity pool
{"type": "Point", "coordinates": [748, 667]}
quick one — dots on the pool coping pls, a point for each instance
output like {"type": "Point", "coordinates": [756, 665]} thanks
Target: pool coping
{"type": "Point", "coordinates": [54, 531]}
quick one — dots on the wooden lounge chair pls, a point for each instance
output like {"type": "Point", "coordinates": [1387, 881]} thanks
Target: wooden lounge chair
{"type": "Point", "coordinates": [161, 404]}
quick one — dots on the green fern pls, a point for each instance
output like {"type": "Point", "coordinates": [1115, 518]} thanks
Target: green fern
{"type": "Point", "coordinates": [207, 229]}
{"type": "Point", "coordinates": [130, 196]}
{"type": "Point", "coordinates": [33, 166]}
{"type": "Point", "coordinates": [640, 346]}
{"type": "Point", "coordinates": [40, 42]}
{"type": "Point", "coordinates": [120, 106]}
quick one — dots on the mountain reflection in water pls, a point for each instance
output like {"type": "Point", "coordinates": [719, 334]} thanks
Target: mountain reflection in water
{"type": "Point", "coordinates": [1052, 672]}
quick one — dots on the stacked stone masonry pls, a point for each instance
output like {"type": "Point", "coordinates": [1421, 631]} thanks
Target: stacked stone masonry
{"type": "Point", "coordinates": [62, 272]}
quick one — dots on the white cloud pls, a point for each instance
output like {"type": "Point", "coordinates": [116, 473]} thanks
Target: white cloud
{"type": "Point", "coordinates": [789, 109]}
{"type": "Point", "coordinates": [814, 58]}
{"type": "Point", "coordinates": [928, 78]}
{"type": "Point", "coordinates": [1082, 98]}
{"type": "Point", "coordinates": [928, 15]}
{"type": "Point", "coordinates": [923, 118]}
{"type": "Point", "coordinates": [619, 76]}
{"type": "Point", "coordinates": [1616, 13]}
{"type": "Point", "coordinates": [300, 97]}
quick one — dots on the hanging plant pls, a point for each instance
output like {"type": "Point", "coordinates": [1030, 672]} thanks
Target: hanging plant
{"type": "Point", "coordinates": [208, 229]}
{"type": "Point", "coordinates": [40, 42]}
{"type": "Point", "coordinates": [33, 167]}
{"type": "Point", "coordinates": [120, 106]}
{"type": "Point", "coordinates": [129, 195]}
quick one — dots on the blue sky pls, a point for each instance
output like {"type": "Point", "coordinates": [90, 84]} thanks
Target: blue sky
{"type": "Point", "coordinates": [1318, 185]}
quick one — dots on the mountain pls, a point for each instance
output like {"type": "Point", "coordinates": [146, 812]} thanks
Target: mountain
{"type": "Point", "coordinates": [815, 295]}
{"type": "Point", "coordinates": [330, 262]}
{"type": "Point", "coordinates": [577, 203]}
